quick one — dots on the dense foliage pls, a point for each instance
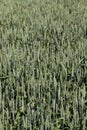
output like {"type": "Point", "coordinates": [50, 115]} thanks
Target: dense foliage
{"type": "Point", "coordinates": [43, 64]}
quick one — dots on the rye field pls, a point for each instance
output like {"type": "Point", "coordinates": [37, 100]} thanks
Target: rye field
{"type": "Point", "coordinates": [43, 65]}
